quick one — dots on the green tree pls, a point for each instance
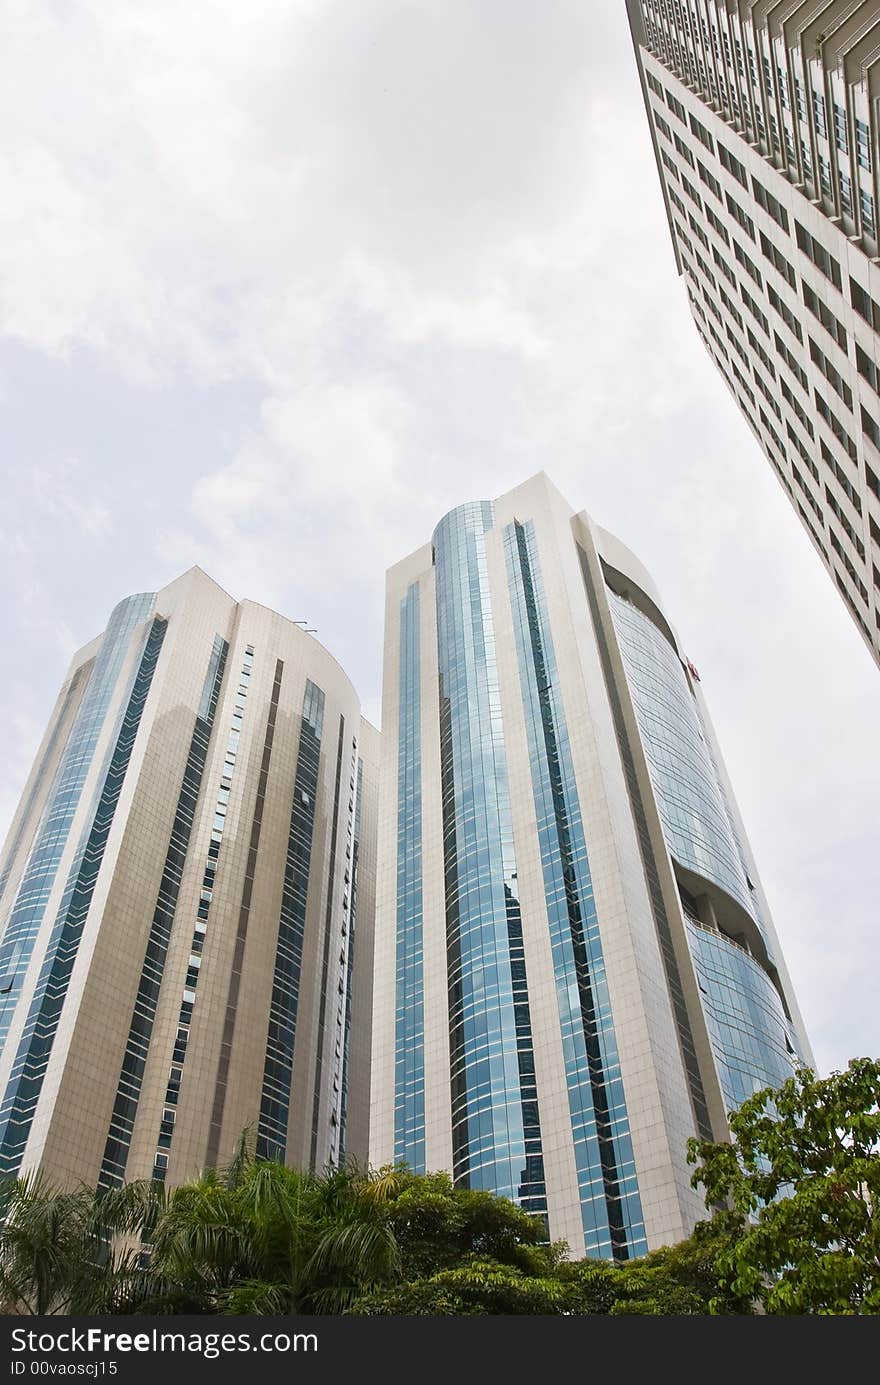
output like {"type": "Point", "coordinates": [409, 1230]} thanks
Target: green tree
{"type": "Point", "coordinates": [437, 1227]}
{"type": "Point", "coordinates": [259, 1237]}
{"type": "Point", "coordinates": [72, 1252]}
{"type": "Point", "coordinates": [478, 1287]}
{"type": "Point", "coordinates": [802, 1179]}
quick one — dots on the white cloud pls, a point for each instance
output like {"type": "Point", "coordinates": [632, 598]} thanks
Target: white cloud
{"type": "Point", "coordinates": [58, 491]}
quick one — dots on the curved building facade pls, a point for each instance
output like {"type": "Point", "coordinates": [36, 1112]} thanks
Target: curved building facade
{"type": "Point", "coordinates": [575, 968]}
{"type": "Point", "coordinates": [184, 889]}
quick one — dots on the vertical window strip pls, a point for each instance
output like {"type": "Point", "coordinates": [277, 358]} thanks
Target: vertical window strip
{"type": "Point", "coordinates": [61, 727]}
{"type": "Point", "coordinates": [409, 1035]}
{"type": "Point", "coordinates": [278, 1068]}
{"type": "Point", "coordinates": [350, 962]}
{"type": "Point", "coordinates": [610, 1202]}
{"type": "Point", "coordinates": [496, 1129]}
{"type": "Point", "coordinates": [209, 881]}
{"type": "Point", "coordinates": [38, 1037]}
{"type": "Point", "coordinates": [38, 878]}
{"type": "Point", "coordinates": [230, 1017]}
{"type": "Point", "coordinates": [325, 963]}
{"type": "Point", "coordinates": [686, 1043]}
{"type": "Point", "coordinates": [134, 1060]}
{"type": "Point", "coordinates": [696, 822]}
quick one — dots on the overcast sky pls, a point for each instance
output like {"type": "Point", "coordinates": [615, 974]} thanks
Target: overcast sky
{"type": "Point", "coordinates": [281, 282]}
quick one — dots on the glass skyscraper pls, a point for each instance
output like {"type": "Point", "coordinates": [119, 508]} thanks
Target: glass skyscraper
{"type": "Point", "coordinates": [576, 968]}
{"type": "Point", "coordinates": [186, 899]}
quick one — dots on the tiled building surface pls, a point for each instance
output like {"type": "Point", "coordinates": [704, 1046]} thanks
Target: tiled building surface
{"type": "Point", "coordinates": [764, 119]}
{"type": "Point", "coordinates": [179, 898]}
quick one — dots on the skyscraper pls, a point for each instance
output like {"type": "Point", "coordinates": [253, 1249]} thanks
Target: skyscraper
{"type": "Point", "coordinates": [190, 862]}
{"type": "Point", "coordinates": [575, 965]}
{"type": "Point", "coordinates": [765, 128]}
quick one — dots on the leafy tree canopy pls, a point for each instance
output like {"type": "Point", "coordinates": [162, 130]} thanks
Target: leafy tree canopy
{"type": "Point", "coordinates": [802, 1177]}
{"type": "Point", "coordinates": [799, 1185]}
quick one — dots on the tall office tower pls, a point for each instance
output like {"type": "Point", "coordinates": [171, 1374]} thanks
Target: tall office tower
{"type": "Point", "coordinates": [575, 966]}
{"type": "Point", "coordinates": [180, 889]}
{"type": "Point", "coordinates": [764, 119]}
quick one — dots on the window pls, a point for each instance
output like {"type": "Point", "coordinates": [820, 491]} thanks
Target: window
{"type": "Point", "coordinates": [783, 89]}
{"type": "Point", "coordinates": [683, 149]}
{"type": "Point", "coordinates": [771, 206]}
{"type": "Point", "coordinates": [790, 154]}
{"type": "Point", "coordinates": [731, 310]}
{"type": "Point", "coordinates": [832, 375]}
{"type": "Point", "coordinates": [748, 265]}
{"type": "Point", "coordinates": [837, 510]}
{"type": "Point", "coordinates": [864, 304]}
{"type": "Point", "coordinates": [740, 351]}
{"type": "Point", "coordinates": [711, 182]}
{"type": "Point", "coordinates": [733, 166]}
{"type": "Point", "coordinates": [717, 226]}
{"type": "Point", "coordinates": [739, 215]}
{"type": "Point", "coordinates": [871, 429]}
{"type": "Point", "coordinates": [676, 107]}
{"type": "Point", "coordinates": [724, 266]}
{"type": "Point", "coordinates": [676, 200]}
{"type": "Point", "coordinates": [683, 239]}
{"type": "Point", "coordinates": [761, 353]}
{"type": "Point", "coordinates": [712, 306]}
{"type": "Point", "coordinates": [863, 145]}
{"type": "Point", "coordinates": [867, 368]}
{"type": "Point", "coordinates": [662, 126]}
{"type": "Point", "coordinates": [819, 114]}
{"type": "Point", "coordinates": [785, 313]}
{"type": "Point", "coordinates": [840, 134]}
{"type": "Point", "coordinates": [866, 204]}
{"type": "Point", "coordinates": [818, 254]}
{"type": "Point", "coordinates": [698, 231]}
{"type": "Point", "coordinates": [846, 201]}
{"type": "Point", "coordinates": [702, 133]}
{"type": "Point", "coordinates": [764, 389]}
{"type": "Point", "coordinates": [654, 84]}
{"type": "Point", "coordinates": [777, 259]}
{"type": "Point", "coordinates": [792, 363]}
{"type": "Point", "coordinates": [692, 192]}
{"type": "Point", "coordinates": [802, 448]}
{"type": "Point", "coordinates": [823, 313]}
{"type": "Point", "coordinates": [843, 480]}
{"type": "Point", "coordinates": [799, 101]}
{"type": "Point", "coordinates": [754, 310]}
{"type": "Point", "coordinates": [835, 425]}
{"type": "Point", "coordinates": [795, 406]}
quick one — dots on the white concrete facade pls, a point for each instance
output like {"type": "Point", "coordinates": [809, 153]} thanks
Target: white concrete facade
{"type": "Point", "coordinates": [765, 125]}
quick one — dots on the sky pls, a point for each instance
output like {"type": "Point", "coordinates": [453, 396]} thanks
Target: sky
{"type": "Point", "coordinates": [281, 283]}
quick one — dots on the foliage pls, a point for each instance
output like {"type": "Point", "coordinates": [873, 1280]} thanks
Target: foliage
{"type": "Point", "coordinates": [802, 1179]}
{"type": "Point", "coordinates": [799, 1232]}
{"type": "Point", "coordinates": [676, 1280]}
{"type": "Point", "coordinates": [259, 1237]}
{"type": "Point", "coordinates": [478, 1287]}
{"type": "Point", "coordinates": [68, 1252]}
{"type": "Point", "coordinates": [438, 1227]}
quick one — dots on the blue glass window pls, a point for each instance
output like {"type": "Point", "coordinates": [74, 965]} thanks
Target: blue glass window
{"type": "Point", "coordinates": [409, 1029]}
{"type": "Point", "coordinates": [496, 1131]}
{"type": "Point", "coordinates": [609, 1195]}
